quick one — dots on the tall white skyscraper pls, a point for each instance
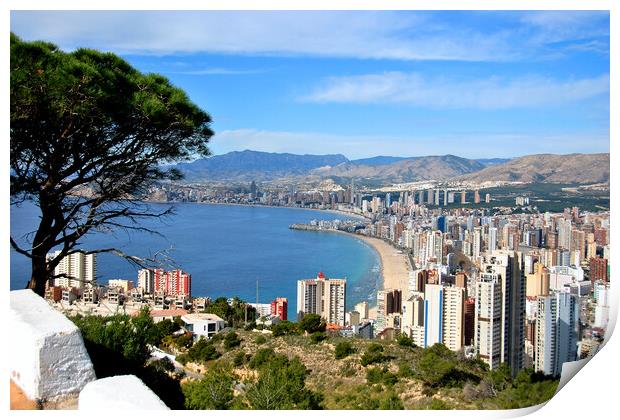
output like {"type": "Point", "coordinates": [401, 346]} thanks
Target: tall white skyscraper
{"type": "Point", "coordinates": [453, 319]}
{"type": "Point", "coordinates": [433, 314]}
{"type": "Point", "coordinates": [488, 319]}
{"type": "Point", "coordinates": [505, 268]}
{"type": "Point", "coordinates": [557, 326]}
{"type": "Point", "coordinates": [322, 296]}
{"type": "Point", "coordinates": [492, 240]}
{"type": "Point", "coordinates": [75, 270]}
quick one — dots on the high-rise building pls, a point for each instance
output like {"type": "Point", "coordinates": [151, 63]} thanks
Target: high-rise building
{"type": "Point", "coordinates": [146, 280]}
{"type": "Point", "coordinates": [488, 319]}
{"type": "Point", "coordinates": [487, 198]}
{"type": "Point", "coordinates": [279, 307]}
{"type": "Point", "coordinates": [469, 321]}
{"type": "Point", "coordinates": [477, 248]}
{"type": "Point", "coordinates": [75, 270]}
{"type": "Point", "coordinates": [556, 332]}
{"type": "Point", "coordinates": [492, 240]}
{"type": "Point", "coordinates": [172, 283]}
{"type": "Point", "coordinates": [362, 308]}
{"type": "Point", "coordinates": [388, 302]}
{"type": "Point", "coordinates": [598, 269]}
{"type": "Point", "coordinates": [463, 196]}
{"type": "Point", "coordinates": [477, 197]}
{"type": "Point", "coordinates": [537, 284]}
{"type": "Point", "coordinates": [453, 319]}
{"type": "Point", "coordinates": [433, 314]}
{"type": "Point", "coordinates": [503, 270]}
{"type": "Point", "coordinates": [322, 296]}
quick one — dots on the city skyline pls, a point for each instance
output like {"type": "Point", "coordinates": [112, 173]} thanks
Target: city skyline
{"type": "Point", "coordinates": [474, 84]}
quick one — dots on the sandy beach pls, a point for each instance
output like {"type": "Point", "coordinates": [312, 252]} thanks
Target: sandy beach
{"type": "Point", "coordinates": [394, 266]}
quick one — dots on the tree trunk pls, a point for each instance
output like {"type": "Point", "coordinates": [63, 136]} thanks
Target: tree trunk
{"type": "Point", "coordinates": [39, 275]}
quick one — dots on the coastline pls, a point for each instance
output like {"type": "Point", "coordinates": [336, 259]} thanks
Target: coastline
{"type": "Point", "coordinates": [394, 265]}
{"type": "Point", "coordinates": [343, 213]}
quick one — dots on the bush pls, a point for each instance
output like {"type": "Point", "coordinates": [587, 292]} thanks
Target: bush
{"type": "Point", "coordinates": [281, 385]}
{"type": "Point", "coordinates": [317, 337]}
{"type": "Point", "coordinates": [284, 328]}
{"type": "Point", "coordinates": [203, 351]}
{"type": "Point", "coordinates": [376, 375]}
{"type": "Point", "coordinates": [405, 341]}
{"type": "Point", "coordinates": [163, 365]}
{"type": "Point", "coordinates": [239, 359]}
{"type": "Point", "coordinates": [343, 349]}
{"type": "Point", "coordinates": [261, 357]}
{"type": "Point", "coordinates": [261, 339]}
{"type": "Point", "coordinates": [312, 323]}
{"type": "Point", "coordinates": [213, 392]}
{"type": "Point", "coordinates": [405, 370]}
{"type": "Point", "coordinates": [374, 354]}
{"type": "Point", "coordinates": [231, 340]}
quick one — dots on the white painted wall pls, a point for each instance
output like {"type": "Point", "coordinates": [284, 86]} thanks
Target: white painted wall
{"type": "Point", "coordinates": [125, 392]}
{"type": "Point", "coordinates": [47, 357]}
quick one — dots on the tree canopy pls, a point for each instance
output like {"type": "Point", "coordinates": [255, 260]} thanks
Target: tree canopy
{"type": "Point", "coordinates": [89, 135]}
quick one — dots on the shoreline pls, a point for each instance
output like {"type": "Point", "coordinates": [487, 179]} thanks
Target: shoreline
{"type": "Point", "coordinates": [344, 213]}
{"type": "Point", "coordinates": [394, 265]}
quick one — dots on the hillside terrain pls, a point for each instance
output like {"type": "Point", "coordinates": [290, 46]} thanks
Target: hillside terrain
{"type": "Point", "coordinates": [548, 168]}
{"type": "Point", "coordinates": [247, 166]}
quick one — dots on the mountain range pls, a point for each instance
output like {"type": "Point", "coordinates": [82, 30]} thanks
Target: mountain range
{"type": "Point", "coordinates": [248, 165]}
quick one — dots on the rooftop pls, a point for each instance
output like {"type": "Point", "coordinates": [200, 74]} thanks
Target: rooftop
{"type": "Point", "coordinates": [200, 317]}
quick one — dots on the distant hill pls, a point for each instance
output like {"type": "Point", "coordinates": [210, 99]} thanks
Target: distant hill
{"type": "Point", "coordinates": [250, 165]}
{"type": "Point", "coordinates": [492, 161]}
{"type": "Point", "coordinates": [569, 169]}
{"type": "Point", "coordinates": [378, 160]}
{"type": "Point", "coordinates": [405, 170]}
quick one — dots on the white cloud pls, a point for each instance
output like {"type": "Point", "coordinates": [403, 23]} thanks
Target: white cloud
{"type": "Point", "coordinates": [489, 93]}
{"type": "Point", "coordinates": [360, 34]}
{"type": "Point", "coordinates": [470, 145]}
{"type": "Point", "coordinates": [215, 71]}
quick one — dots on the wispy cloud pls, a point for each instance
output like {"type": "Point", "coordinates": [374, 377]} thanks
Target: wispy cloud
{"type": "Point", "coordinates": [470, 145]}
{"type": "Point", "coordinates": [358, 34]}
{"type": "Point", "coordinates": [490, 93]}
{"type": "Point", "coordinates": [216, 71]}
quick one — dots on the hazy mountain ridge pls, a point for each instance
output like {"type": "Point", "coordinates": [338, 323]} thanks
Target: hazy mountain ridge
{"type": "Point", "coordinates": [250, 165]}
{"type": "Point", "coordinates": [575, 168]}
{"type": "Point", "coordinates": [406, 170]}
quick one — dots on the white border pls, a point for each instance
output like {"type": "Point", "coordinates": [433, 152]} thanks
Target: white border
{"type": "Point", "coordinates": [591, 393]}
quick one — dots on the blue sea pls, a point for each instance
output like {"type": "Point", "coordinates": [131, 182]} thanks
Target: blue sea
{"type": "Point", "coordinates": [227, 249]}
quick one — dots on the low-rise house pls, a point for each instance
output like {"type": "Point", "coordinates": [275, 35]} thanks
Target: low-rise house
{"type": "Point", "coordinates": [159, 315]}
{"type": "Point", "coordinates": [203, 325]}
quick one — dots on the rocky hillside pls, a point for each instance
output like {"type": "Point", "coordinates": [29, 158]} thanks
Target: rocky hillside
{"type": "Point", "coordinates": [407, 170]}
{"type": "Point", "coordinates": [568, 169]}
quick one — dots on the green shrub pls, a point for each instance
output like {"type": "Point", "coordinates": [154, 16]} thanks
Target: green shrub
{"type": "Point", "coordinates": [312, 323]}
{"type": "Point", "coordinates": [213, 392]}
{"type": "Point", "coordinates": [317, 337]}
{"type": "Point", "coordinates": [231, 340]}
{"type": "Point", "coordinates": [239, 359]}
{"type": "Point", "coordinates": [405, 341]}
{"type": "Point", "coordinates": [343, 349]}
{"type": "Point", "coordinates": [261, 339]}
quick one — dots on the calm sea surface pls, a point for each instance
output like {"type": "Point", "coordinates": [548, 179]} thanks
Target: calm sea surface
{"type": "Point", "coordinates": [227, 249]}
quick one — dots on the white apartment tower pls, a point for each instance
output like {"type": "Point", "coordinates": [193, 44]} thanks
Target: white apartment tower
{"type": "Point", "coordinates": [556, 332]}
{"type": "Point", "coordinates": [322, 296]}
{"type": "Point", "coordinates": [453, 317]}
{"type": "Point", "coordinates": [75, 270]}
{"type": "Point", "coordinates": [506, 272]}
{"type": "Point", "coordinates": [488, 319]}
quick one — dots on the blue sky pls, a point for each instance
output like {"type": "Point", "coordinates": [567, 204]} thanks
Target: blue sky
{"type": "Point", "coordinates": [473, 84]}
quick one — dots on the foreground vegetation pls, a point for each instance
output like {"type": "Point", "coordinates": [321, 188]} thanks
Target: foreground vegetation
{"type": "Point", "coordinates": [300, 366]}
